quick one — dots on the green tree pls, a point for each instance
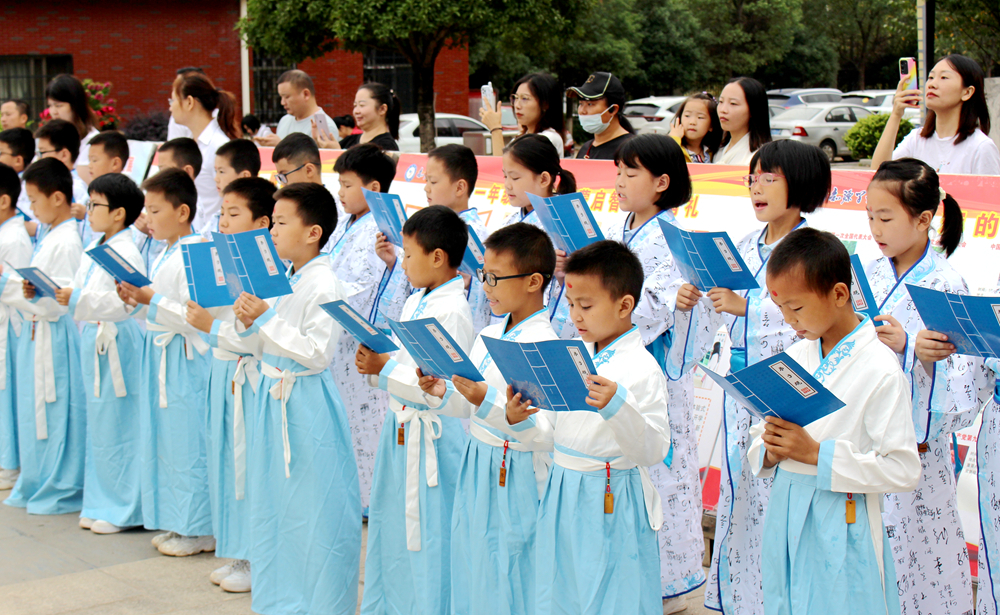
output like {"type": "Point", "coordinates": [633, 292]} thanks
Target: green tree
{"type": "Point", "coordinates": [865, 30]}
{"type": "Point", "coordinates": [673, 49]}
{"type": "Point", "coordinates": [744, 35]}
{"type": "Point", "coordinates": [813, 60]}
{"type": "Point", "coordinates": [972, 28]}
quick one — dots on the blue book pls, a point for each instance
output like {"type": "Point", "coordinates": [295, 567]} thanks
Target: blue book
{"type": "Point", "coordinates": [972, 324]}
{"type": "Point", "coordinates": [568, 220]}
{"type": "Point", "coordinates": [44, 285]}
{"type": "Point", "coordinates": [206, 280]}
{"type": "Point", "coordinates": [390, 215]}
{"type": "Point", "coordinates": [117, 267]}
{"type": "Point", "coordinates": [473, 258]}
{"type": "Point", "coordinates": [434, 350]}
{"type": "Point", "coordinates": [251, 264]}
{"type": "Point", "coordinates": [861, 292]}
{"type": "Point", "coordinates": [708, 260]}
{"type": "Point", "coordinates": [359, 328]}
{"type": "Point", "coordinates": [779, 387]}
{"type": "Point", "coordinates": [552, 374]}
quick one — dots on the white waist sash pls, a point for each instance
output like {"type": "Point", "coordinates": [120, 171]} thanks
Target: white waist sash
{"type": "Point", "coordinates": [430, 424]}
{"type": "Point", "coordinates": [246, 369]}
{"type": "Point", "coordinates": [6, 315]}
{"type": "Point", "coordinates": [192, 342]}
{"type": "Point", "coordinates": [282, 390]}
{"type": "Point", "coordinates": [654, 507]}
{"type": "Point", "coordinates": [106, 342]}
{"type": "Point", "coordinates": [45, 373]}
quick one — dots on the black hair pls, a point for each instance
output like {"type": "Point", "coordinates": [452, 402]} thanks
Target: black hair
{"type": "Point", "coordinates": [10, 184]}
{"type": "Point", "coordinates": [917, 188]}
{"type": "Point", "coordinates": [537, 154]}
{"type": "Point", "coordinates": [759, 126]}
{"type": "Point", "coordinates": [21, 142]}
{"type": "Point", "coordinates": [250, 121]}
{"type": "Point", "coordinates": [617, 267]}
{"type": "Point", "coordinates": [713, 138]}
{"type": "Point", "coordinates": [22, 106]}
{"type": "Point", "coordinates": [345, 120]}
{"type": "Point", "coordinates": [257, 192]}
{"type": "Point", "coordinates": [369, 163]}
{"type": "Point", "coordinates": [298, 149]}
{"type": "Point", "coordinates": [545, 89]}
{"type": "Point", "coordinates": [68, 89]}
{"type": "Point", "coordinates": [529, 247]}
{"type": "Point", "coordinates": [975, 113]}
{"type": "Point", "coordinates": [298, 78]}
{"type": "Point", "coordinates": [190, 69]}
{"type": "Point", "coordinates": [383, 95]}
{"type": "Point", "coordinates": [242, 155]}
{"type": "Point", "coordinates": [62, 135]}
{"type": "Point", "coordinates": [660, 155]}
{"type": "Point", "coordinates": [114, 143]}
{"type": "Point", "coordinates": [459, 162]}
{"type": "Point", "coordinates": [315, 205]}
{"type": "Point", "coordinates": [197, 85]}
{"type": "Point", "coordinates": [185, 152]}
{"type": "Point", "coordinates": [805, 167]}
{"type": "Point", "coordinates": [49, 176]}
{"type": "Point", "coordinates": [177, 188]}
{"type": "Point", "coordinates": [822, 257]}
{"type": "Point", "coordinates": [121, 192]}
{"type": "Point", "coordinates": [437, 227]}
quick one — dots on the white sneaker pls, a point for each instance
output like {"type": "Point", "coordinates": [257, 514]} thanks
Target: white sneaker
{"type": "Point", "coordinates": [159, 539]}
{"type": "Point", "coordinates": [221, 573]}
{"type": "Point", "coordinates": [86, 523]}
{"type": "Point", "coordinates": [8, 478]}
{"type": "Point", "coordinates": [183, 546]}
{"type": "Point", "coordinates": [105, 527]}
{"type": "Point", "coordinates": [239, 581]}
{"type": "Point", "coordinates": [675, 605]}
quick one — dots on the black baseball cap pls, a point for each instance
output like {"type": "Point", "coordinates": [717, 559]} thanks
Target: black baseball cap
{"type": "Point", "coordinates": [599, 85]}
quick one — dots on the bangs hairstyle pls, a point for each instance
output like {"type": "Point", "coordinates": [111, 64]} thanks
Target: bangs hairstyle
{"type": "Point", "coordinates": [760, 116]}
{"type": "Point", "coordinates": [121, 192]}
{"type": "Point", "coordinates": [114, 143]}
{"type": "Point", "coordinates": [437, 227]}
{"type": "Point", "coordinates": [383, 95]}
{"type": "Point", "coordinates": [299, 79]}
{"type": "Point", "coordinates": [10, 184]}
{"type": "Point", "coordinates": [21, 143]}
{"type": "Point", "coordinates": [537, 154]}
{"type": "Point", "coordinates": [197, 85]}
{"type": "Point", "coordinates": [917, 188]}
{"type": "Point", "coordinates": [314, 204]}
{"type": "Point", "coordinates": [257, 192]}
{"type": "Point", "coordinates": [344, 120]}
{"type": "Point", "coordinates": [68, 89]}
{"type": "Point", "coordinates": [714, 136]}
{"type": "Point", "coordinates": [459, 163]}
{"type": "Point", "coordinates": [660, 155]}
{"type": "Point", "coordinates": [617, 268]}
{"type": "Point", "coordinates": [805, 167]}
{"type": "Point", "coordinates": [369, 163]}
{"type": "Point", "coordinates": [822, 259]}
{"type": "Point", "coordinates": [62, 135]}
{"type": "Point", "coordinates": [297, 149]}
{"type": "Point", "coordinates": [49, 176]}
{"type": "Point", "coordinates": [177, 188]}
{"type": "Point", "coordinates": [529, 248]}
{"type": "Point", "coordinates": [242, 155]}
{"type": "Point", "coordinates": [250, 124]}
{"type": "Point", "coordinates": [975, 113]}
{"type": "Point", "coordinates": [545, 89]}
{"type": "Point", "coordinates": [185, 152]}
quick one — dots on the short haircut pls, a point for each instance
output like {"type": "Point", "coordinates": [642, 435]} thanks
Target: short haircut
{"type": "Point", "coordinates": [529, 248]}
{"type": "Point", "coordinates": [300, 79]}
{"type": "Point", "coordinates": [437, 227]}
{"type": "Point", "coordinates": [459, 162]}
{"type": "Point", "coordinates": [10, 184]}
{"type": "Point", "coordinates": [297, 149]}
{"type": "Point", "coordinates": [822, 258]}
{"type": "Point", "coordinates": [114, 143]}
{"type": "Point", "coordinates": [250, 121]}
{"type": "Point", "coordinates": [177, 188]}
{"type": "Point", "coordinates": [185, 152]}
{"type": "Point", "coordinates": [805, 167]}
{"type": "Point", "coordinates": [660, 155]}
{"type": "Point", "coordinates": [242, 155]}
{"type": "Point", "coordinates": [22, 106]}
{"type": "Point", "coordinates": [368, 162]}
{"type": "Point", "coordinates": [257, 192]}
{"type": "Point", "coordinates": [49, 176]}
{"type": "Point", "coordinates": [62, 135]}
{"type": "Point", "coordinates": [121, 192]}
{"type": "Point", "coordinates": [345, 120]}
{"type": "Point", "coordinates": [315, 205]}
{"type": "Point", "coordinates": [21, 143]}
{"type": "Point", "coordinates": [617, 267]}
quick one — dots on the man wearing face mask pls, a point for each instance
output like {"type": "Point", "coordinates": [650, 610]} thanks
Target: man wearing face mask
{"type": "Point", "coordinates": [602, 98]}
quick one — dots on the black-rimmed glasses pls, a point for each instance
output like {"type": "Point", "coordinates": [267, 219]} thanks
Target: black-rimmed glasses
{"type": "Point", "coordinates": [491, 279]}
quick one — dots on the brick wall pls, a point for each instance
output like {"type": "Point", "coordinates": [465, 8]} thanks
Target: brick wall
{"type": "Point", "coordinates": [451, 81]}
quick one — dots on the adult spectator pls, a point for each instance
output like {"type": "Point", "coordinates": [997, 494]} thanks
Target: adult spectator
{"type": "Point", "coordinates": [67, 100]}
{"type": "Point", "coordinates": [175, 130]}
{"type": "Point", "coordinates": [599, 111]}
{"type": "Point", "coordinates": [14, 113]}
{"type": "Point", "coordinates": [376, 113]}
{"type": "Point", "coordinates": [298, 97]}
{"type": "Point", "coordinates": [253, 128]}
{"type": "Point", "coordinates": [538, 107]}
{"type": "Point", "coordinates": [745, 120]}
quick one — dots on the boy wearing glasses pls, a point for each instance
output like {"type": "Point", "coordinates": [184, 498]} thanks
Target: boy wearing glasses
{"type": "Point", "coordinates": [296, 161]}
{"type": "Point", "coordinates": [498, 470]}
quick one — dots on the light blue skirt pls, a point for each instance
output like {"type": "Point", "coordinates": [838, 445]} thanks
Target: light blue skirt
{"type": "Point", "coordinates": [9, 457]}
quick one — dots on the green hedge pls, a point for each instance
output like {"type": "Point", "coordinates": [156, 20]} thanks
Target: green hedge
{"type": "Point", "coordinates": [862, 138]}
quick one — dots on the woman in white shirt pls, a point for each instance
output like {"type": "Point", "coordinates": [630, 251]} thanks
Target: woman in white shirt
{"type": "Point", "coordinates": [745, 120]}
{"type": "Point", "coordinates": [954, 138]}
{"type": "Point", "coordinates": [67, 100]}
{"type": "Point", "coordinates": [537, 103]}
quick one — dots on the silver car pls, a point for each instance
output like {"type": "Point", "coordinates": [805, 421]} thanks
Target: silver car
{"type": "Point", "coordinates": [820, 125]}
{"type": "Point", "coordinates": [652, 115]}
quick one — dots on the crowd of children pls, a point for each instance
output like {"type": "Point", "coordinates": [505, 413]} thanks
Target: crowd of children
{"type": "Point", "coordinates": [262, 432]}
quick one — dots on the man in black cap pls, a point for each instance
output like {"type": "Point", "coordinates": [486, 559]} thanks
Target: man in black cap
{"type": "Point", "coordinates": [602, 98]}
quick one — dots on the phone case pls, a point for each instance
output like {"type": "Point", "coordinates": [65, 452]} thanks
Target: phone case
{"type": "Point", "coordinates": [489, 97]}
{"type": "Point", "coordinates": [911, 73]}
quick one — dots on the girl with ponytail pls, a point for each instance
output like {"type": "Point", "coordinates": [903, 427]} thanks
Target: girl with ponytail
{"type": "Point", "coordinates": [531, 166]}
{"type": "Point", "coordinates": [903, 197]}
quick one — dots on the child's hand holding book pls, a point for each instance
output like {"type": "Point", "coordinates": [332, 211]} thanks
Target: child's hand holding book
{"type": "Point", "coordinates": [370, 362]}
{"type": "Point", "coordinates": [517, 409]}
{"type": "Point", "coordinates": [785, 440]}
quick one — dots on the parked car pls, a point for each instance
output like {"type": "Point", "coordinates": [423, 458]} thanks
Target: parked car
{"type": "Point", "coordinates": [774, 109]}
{"type": "Point", "coordinates": [820, 125]}
{"type": "Point", "coordinates": [791, 97]}
{"type": "Point", "coordinates": [450, 128]}
{"type": "Point", "coordinates": [652, 115]}
{"type": "Point", "coordinates": [880, 101]}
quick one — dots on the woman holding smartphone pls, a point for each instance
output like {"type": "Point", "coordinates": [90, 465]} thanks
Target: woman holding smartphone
{"type": "Point", "coordinates": [537, 104]}
{"type": "Point", "coordinates": [954, 138]}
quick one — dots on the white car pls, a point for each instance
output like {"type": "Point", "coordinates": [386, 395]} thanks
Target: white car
{"type": "Point", "coordinates": [652, 115]}
{"type": "Point", "coordinates": [450, 128]}
{"type": "Point", "coordinates": [880, 101]}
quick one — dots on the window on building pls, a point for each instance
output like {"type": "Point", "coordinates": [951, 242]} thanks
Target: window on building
{"type": "Point", "coordinates": [25, 77]}
{"type": "Point", "coordinates": [392, 69]}
{"type": "Point", "coordinates": [266, 100]}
